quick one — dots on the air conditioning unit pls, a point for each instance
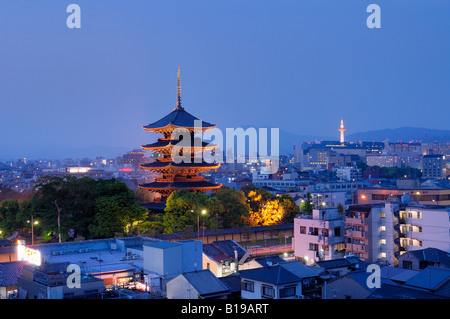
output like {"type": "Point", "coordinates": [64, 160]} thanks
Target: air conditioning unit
{"type": "Point", "coordinates": [114, 246]}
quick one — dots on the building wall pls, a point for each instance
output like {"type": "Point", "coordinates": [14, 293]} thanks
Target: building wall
{"type": "Point", "coordinates": [439, 197]}
{"type": "Point", "coordinates": [257, 291]}
{"type": "Point", "coordinates": [302, 242]}
{"type": "Point", "coordinates": [192, 255]}
{"type": "Point", "coordinates": [167, 261]}
{"type": "Point", "coordinates": [426, 228]}
{"type": "Point", "coordinates": [180, 288]}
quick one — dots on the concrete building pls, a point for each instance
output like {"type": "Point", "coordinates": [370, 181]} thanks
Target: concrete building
{"type": "Point", "coordinates": [146, 263]}
{"type": "Point", "coordinates": [319, 236]}
{"type": "Point", "coordinates": [49, 281]}
{"type": "Point", "coordinates": [422, 226]}
{"type": "Point", "coordinates": [348, 173]}
{"type": "Point", "coordinates": [419, 195]}
{"type": "Point", "coordinates": [434, 166]}
{"type": "Point", "coordinates": [369, 232]}
{"type": "Point", "coordinates": [382, 160]}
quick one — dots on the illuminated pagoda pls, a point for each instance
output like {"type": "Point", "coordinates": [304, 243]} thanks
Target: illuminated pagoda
{"type": "Point", "coordinates": [177, 174]}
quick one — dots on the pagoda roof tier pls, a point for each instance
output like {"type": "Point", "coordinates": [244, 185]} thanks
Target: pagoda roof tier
{"type": "Point", "coordinates": [168, 186]}
{"type": "Point", "coordinates": [164, 144]}
{"type": "Point", "coordinates": [178, 118]}
{"type": "Point", "coordinates": [162, 165]}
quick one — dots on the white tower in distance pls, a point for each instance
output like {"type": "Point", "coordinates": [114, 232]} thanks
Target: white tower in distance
{"type": "Point", "coordinates": [342, 130]}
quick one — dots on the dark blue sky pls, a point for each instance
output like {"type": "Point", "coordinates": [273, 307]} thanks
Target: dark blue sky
{"type": "Point", "coordinates": [299, 65]}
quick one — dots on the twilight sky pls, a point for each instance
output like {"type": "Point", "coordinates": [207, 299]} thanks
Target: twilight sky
{"type": "Point", "coordinates": [299, 65]}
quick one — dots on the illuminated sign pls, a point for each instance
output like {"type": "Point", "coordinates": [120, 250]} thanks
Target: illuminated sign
{"type": "Point", "coordinates": [78, 169]}
{"type": "Point", "coordinates": [27, 254]}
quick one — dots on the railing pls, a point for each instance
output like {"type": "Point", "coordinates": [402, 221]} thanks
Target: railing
{"type": "Point", "coordinates": [275, 249]}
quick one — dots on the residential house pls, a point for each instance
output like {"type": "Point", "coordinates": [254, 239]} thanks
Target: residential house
{"type": "Point", "coordinates": [9, 271]}
{"type": "Point", "coordinates": [200, 284]}
{"type": "Point", "coordinates": [420, 259]}
{"type": "Point", "coordinates": [274, 282]}
{"type": "Point", "coordinates": [342, 266]}
{"type": "Point", "coordinates": [353, 285]}
{"type": "Point", "coordinates": [222, 257]}
{"type": "Point", "coordinates": [284, 280]}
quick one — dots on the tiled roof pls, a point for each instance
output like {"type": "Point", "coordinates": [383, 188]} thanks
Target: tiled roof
{"type": "Point", "coordinates": [387, 291]}
{"type": "Point", "coordinates": [182, 164]}
{"type": "Point", "coordinates": [9, 272]}
{"type": "Point", "coordinates": [162, 185]}
{"type": "Point", "coordinates": [430, 278]}
{"type": "Point", "coordinates": [276, 275]}
{"type": "Point", "coordinates": [223, 250]}
{"type": "Point", "coordinates": [205, 282]}
{"type": "Point", "coordinates": [432, 255]}
{"type": "Point", "coordinates": [178, 117]}
{"type": "Point", "coordinates": [361, 278]}
{"type": "Point", "coordinates": [301, 270]}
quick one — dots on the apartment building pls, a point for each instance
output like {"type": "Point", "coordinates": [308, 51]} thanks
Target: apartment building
{"type": "Point", "coordinates": [434, 166]}
{"type": "Point", "coordinates": [421, 195]}
{"type": "Point", "coordinates": [422, 227]}
{"type": "Point", "coordinates": [319, 236]}
{"type": "Point", "coordinates": [369, 232]}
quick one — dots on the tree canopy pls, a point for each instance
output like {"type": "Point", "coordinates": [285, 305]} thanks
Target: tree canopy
{"type": "Point", "coordinates": [71, 207]}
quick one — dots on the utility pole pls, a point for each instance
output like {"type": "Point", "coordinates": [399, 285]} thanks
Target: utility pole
{"type": "Point", "coordinates": [59, 219]}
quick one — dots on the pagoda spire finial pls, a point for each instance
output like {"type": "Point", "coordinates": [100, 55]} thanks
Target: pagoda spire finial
{"type": "Point", "coordinates": [179, 107]}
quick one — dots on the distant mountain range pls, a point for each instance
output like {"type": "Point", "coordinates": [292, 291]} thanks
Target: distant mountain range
{"type": "Point", "coordinates": [287, 141]}
{"type": "Point", "coordinates": [405, 134]}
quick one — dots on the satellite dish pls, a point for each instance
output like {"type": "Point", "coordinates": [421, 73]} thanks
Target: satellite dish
{"type": "Point", "coordinates": [269, 263]}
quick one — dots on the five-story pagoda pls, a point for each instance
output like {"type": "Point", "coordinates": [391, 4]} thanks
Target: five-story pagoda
{"type": "Point", "coordinates": [179, 171]}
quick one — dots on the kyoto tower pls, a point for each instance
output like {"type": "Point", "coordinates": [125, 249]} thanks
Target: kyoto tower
{"type": "Point", "coordinates": [342, 130]}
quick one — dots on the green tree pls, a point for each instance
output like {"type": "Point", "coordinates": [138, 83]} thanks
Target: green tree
{"type": "Point", "coordinates": [9, 211]}
{"type": "Point", "coordinates": [307, 205]}
{"type": "Point", "coordinates": [235, 207]}
{"type": "Point", "coordinates": [183, 208]}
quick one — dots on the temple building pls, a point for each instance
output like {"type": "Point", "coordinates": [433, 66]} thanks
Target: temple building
{"type": "Point", "coordinates": [180, 152]}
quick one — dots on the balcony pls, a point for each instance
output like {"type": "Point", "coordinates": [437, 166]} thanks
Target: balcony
{"type": "Point", "coordinates": [355, 234]}
{"type": "Point", "coordinates": [354, 221]}
{"type": "Point", "coordinates": [355, 248]}
{"type": "Point", "coordinates": [330, 240]}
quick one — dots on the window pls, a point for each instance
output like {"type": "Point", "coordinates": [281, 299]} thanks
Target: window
{"type": "Point", "coordinates": [407, 264]}
{"type": "Point", "coordinates": [337, 231]}
{"type": "Point", "coordinates": [302, 229]}
{"type": "Point", "coordinates": [267, 291]}
{"type": "Point", "coordinates": [383, 215]}
{"type": "Point", "coordinates": [288, 292]}
{"type": "Point", "coordinates": [248, 286]}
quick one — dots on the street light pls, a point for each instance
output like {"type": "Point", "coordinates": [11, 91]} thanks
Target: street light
{"type": "Point", "coordinates": [33, 222]}
{"type": "Point", "coordinates": [198, 221]}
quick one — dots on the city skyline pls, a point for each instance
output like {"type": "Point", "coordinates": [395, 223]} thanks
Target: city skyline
{"type": "Point", "coordinates": [97, 85]}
